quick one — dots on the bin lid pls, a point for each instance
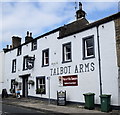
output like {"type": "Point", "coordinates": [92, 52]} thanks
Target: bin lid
{"type": "Point", "coordinates": [89, 94]}
{"type": "Point", "coordinates": [105, 95]}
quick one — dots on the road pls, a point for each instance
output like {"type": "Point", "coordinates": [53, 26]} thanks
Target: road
{"type": "Point", "coordinates": [15, 110]}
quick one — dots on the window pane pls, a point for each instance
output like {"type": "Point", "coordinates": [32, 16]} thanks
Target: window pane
{"type": "Point", "coordinates": [46, 54]}
{"type": "Point", "coordinates": [90, 52]}
{"type": "Point", "coordinates": [68, 56]}
{"type": "Point", "coordinates": [68, 48]}
{"type": "Point", "coordinates": [14, 65]}
{"type": "Point", "coordinates": [89, 42]}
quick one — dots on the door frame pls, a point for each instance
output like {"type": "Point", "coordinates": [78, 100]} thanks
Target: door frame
{"type": "Point", "coordinates": [25, 85]}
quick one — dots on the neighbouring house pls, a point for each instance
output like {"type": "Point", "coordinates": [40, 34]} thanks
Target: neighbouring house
{"type": "Point", "coordinates": [1, 70]}
{"type": "Point", "coordinates": [78, 58]}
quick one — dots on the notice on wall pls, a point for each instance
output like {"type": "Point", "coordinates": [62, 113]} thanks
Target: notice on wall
{"type": "Point", "coordinates": [71, 80]}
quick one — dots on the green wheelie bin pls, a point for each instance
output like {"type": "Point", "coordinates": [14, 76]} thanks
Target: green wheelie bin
{"type": "Point", "coordinates": [105, 103]}
{"type": "Point", "coordinates": [89, 100]}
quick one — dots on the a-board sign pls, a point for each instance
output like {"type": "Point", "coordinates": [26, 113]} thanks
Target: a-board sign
{"type": "Point", "coordinates": [61, 97]}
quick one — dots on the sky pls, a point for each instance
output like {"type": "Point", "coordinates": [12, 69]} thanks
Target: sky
{"type": "Point", "coordinates": [18, 17]}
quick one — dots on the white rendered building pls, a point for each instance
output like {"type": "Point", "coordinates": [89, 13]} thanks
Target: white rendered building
{"type": "Point", "coordinates": [78, 58]}
{"type": "Point", "coordinates": [1, 71]}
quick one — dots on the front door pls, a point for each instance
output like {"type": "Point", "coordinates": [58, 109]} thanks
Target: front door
{"type": "Point", "coordinates": [25, 86]}
{"type": "Point", "coordinates": [12, 85]}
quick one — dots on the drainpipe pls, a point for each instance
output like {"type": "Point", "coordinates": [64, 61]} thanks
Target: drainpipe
{"type": "Point", "coordinates": [48, 78]}
{"type": "Point", "coordinates": [99, 60]}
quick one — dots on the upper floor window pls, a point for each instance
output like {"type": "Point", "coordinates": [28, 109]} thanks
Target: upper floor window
{"type": "Point", "coordinates": [88, 47]}
{"type": "Point", "coordinates": [40, 85]}
{"type": "Point", "coordinates": [25, 62]}
{"type": "Point", "coordinates": [45, 57]}
{"type": "Point", "coordinates": [13, 65]}
{"type": "Point", "coordinates": [34, 45]}
{"type": "Point", "coordinates": [19, 51]}
{"type": "Point", "coordinates": [67, 57]}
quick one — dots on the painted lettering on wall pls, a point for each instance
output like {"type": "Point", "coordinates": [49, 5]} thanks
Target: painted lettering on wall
{"type": "Point", "coordinates": [80, 68]}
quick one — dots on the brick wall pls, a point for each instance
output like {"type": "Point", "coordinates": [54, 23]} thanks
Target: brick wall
{"type": "Point", "coordinates": [117, 29]}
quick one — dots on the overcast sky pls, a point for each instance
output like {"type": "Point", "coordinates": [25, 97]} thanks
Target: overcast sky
{"type": "Point", "coordinates": [16, 18]}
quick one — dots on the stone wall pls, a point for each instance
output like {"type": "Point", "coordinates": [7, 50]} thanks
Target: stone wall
{"type": "Point", "coordinates": [117, 29]}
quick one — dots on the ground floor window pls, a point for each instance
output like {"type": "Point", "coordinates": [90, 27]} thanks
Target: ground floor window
{"type": "Point", "coordinates": [40, 85]}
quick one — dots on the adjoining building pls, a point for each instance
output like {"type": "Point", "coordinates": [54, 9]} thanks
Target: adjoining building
{"type": "Point", "coordinates": [1, 71]}
{"type": "Point", "coordinates": [78, 58]}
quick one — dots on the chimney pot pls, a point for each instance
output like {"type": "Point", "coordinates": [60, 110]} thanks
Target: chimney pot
{"type": "Point", "coordinates": [7, 46]}
{"type": "Point", "coordinates": [27, 33]}
{"type": "Point", "coordinates": [31, 34]}
{"type": "Point", "coordinates": [10, 46]}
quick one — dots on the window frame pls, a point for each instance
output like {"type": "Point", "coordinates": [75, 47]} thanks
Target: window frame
{"type": "Point", "coordinates": [13, 65]}
{"type": "Point", "coordinates": [34, 45]}
{"type": "Point", "coordinates": [19, 50]}
{"type": "Point", "coordinates": [43, 57]}
{"type": "Point", "coordinates": [64, 54]}
{"type": "Point", "coordinates": [85, 48]}
{"type": "Point", "coordinates": [38, 85]}
{"type": "Point", "coordinates": [25, 62]}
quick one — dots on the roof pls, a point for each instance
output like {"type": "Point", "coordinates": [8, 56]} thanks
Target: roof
{"type": "Point", "coordinates": [72, 27]}
{"type": "Point", "coordinates": [91, 25]}
{"type": "Point", "coordinates": [75, 27]}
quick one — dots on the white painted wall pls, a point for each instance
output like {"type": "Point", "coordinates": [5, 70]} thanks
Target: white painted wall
{"type": "Point", "coordinates": [1, 70]}
{"type": "Point", "coordinates": [109, 61]}
{"type": "Point", "coordinates": [87, 81]}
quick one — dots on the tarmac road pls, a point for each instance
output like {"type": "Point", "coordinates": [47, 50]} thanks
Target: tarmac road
{"type": "Point", "coordinates": [15, 110]}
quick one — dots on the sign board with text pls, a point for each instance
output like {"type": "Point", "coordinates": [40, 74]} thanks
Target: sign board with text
{"type": "Point", "coordinates": [61, 97]}
{"type": "Point", "coordinates": [71, 80]}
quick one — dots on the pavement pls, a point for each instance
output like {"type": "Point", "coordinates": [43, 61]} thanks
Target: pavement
{"type": "Point", "coordinates": [51, 107]}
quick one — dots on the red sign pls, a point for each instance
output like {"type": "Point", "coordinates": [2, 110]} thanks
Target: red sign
{"type": "Point", "coordinates": [71, 80]}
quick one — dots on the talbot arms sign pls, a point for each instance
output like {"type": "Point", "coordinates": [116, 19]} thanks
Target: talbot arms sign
{"type": "Point", "coordinates": [80, 68]}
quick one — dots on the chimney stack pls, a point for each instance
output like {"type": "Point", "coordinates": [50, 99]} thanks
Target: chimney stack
{"type": "Point", "coordinates": [29, 37]}
{"type": "Point", "coordinates": [16, 41]}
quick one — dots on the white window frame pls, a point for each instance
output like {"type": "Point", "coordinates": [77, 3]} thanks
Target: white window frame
{"type": "Point", "coordinates": [66, 53]}
{"type": "Point", "coordinates": [86, 48]}
{"type": "Point", "coordinates": [45, 58]}
{"type": "Point", "coordinates": [41, 85]}
{"type": "Point", "coordinates": [34, 45]}
{"type": "Point", "coordinates": [14, 66]}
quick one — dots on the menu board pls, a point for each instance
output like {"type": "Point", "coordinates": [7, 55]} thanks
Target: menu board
{"type": "Point", "coordinates": [61, 97]}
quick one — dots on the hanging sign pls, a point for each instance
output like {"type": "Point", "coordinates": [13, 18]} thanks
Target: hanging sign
{"type": "Point", "coordinates": [30, 62]}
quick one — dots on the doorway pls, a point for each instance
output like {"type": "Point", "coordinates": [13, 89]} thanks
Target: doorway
{"type": "Point", "coordinates": [25, 85]}
{"type": "Point", "coordinates": [12, 85]}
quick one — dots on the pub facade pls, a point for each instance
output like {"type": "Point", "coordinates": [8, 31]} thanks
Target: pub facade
{"type": "Point", "coordinates": [78, 58]}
